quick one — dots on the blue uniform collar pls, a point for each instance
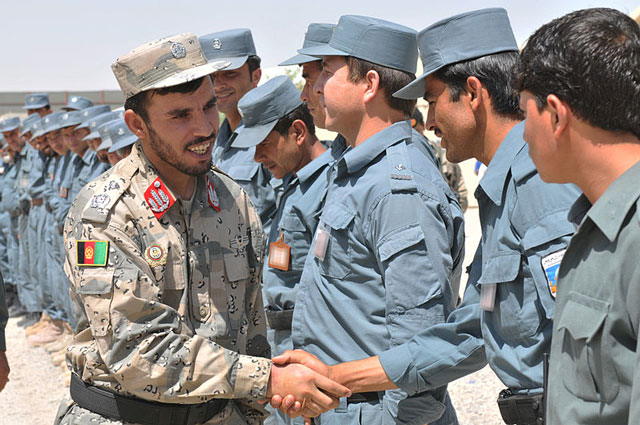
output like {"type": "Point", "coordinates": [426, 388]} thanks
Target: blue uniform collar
{"type": "Point", "coordinates": [225, 135]}
{"type": "Point", "coordinates": [308, 171]}
{"type": "Point", "coordinates": [495, 177]}
{"type": "Point", "coordinates": [356, 158]}
{"type": "Point", "coordinates": [610, 211]}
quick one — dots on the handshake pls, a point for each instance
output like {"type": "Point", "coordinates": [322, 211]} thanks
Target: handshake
{"type": "Point", "coordinates": [300, 384]}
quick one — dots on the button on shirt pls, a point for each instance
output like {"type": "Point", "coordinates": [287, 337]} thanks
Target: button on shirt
{"type": "Point", "coordinates": [256, 180]}
{"type": "Point", "coordinates": [523, 221]}
{"type": "Point", "coordinates": [594, 376]}
{"type": "Point", "coordinates": [395, 238]}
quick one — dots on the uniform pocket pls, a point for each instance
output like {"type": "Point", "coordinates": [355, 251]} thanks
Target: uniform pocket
{"type": "Point", "coordinates": [337, 258]}
{"type": "Point", "coordinates": [95, 289]}
{"type": "Point", "coordinates": [588, 371]}
{"type": "Point", "coordinates": [295, 235]}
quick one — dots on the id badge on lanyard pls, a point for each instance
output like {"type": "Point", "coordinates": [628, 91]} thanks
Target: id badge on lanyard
{"type": "Point", "coordinates": [279, 253]}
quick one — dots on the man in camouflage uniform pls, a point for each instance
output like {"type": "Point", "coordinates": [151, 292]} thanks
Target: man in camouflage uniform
{"type": "Point", "coordinates": [164, 256]}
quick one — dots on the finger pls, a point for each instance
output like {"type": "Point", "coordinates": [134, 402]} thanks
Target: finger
{"type": "Point", "coordinates": [324, 401]}
{"type": "Point", "coordinates": [276, 400]}
{"type": "Point", "coordinates": [282, 358]}
{"type": "Point", "coordinates": [331, 387]}
{"type": "Point", "coordinates": [288, 401]}
{"type": "Point", "coordinates": [295, 409]}
{"type": "Point", "coordinates": [312, 409]}
{"type": "Point", "coordinates": [307, 421]}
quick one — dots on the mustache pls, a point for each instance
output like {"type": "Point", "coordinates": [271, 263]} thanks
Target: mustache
{"type": "Point", "coordinates": [199, 140]}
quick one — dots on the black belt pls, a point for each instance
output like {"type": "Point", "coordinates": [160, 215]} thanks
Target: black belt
{"type": "Point", "coordinates": [280, 320]}
{"type": "Point", "coordinates": [127, 409]}
{"type": "Point", "coordinates": [364, 398]}
{"type": "Point", "coordinates": [521, 409]}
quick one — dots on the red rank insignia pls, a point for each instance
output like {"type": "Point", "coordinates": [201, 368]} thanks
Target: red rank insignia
{"type": "Point", "coordinates": [158, 198]}
{"type": "Point", "coordinates": [212, 196]}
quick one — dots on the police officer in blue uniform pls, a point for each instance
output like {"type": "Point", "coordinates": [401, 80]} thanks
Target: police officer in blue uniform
{"type": "Point", "coordinates": [243, 73]}
{"type": "Point", "coordinates": [506, 314]}
{"type": "Point", "coordinates": [390, 236]}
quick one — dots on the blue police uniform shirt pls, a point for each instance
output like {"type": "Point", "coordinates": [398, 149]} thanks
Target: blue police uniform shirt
{"type": "Point", "coordinates": [395, 237]}
{"type": "Point", "coordinates": [256, 180]}
{"type": "Point", "coordinates": [64, 182]}
{"type": "Point", "coordinates": [83, 172]}
{"type": "Point", "coordinates": [27, 155]}
{"type": "Point", "coordinates": [524, 222]}
{"type": "Point", "coordinates": [98, 167]}
{"type": "Point", "coordinates": [12, 188]}
{"type": "Point", "coordinates": [4, 316]}
{"type": "Point", "coordinates": [38, 174]}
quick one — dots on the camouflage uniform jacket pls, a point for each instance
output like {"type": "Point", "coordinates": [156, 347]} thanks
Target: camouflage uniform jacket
{"type": "Point", "coordinates": [180, 324]}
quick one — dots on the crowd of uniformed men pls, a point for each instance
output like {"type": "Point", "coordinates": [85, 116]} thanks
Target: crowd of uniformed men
{"type": "Point", "coordinates": [168, 284]}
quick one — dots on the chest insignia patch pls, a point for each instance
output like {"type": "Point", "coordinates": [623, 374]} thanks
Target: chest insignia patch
{"type": "Point", "coordinates": [92, 253]}
{"type": "Point", "coordinates": [551, 266]}
{"type": "Point", "coordinates": [158, 198]}
{"type": "Point", "coordinates": [212, 196]}
{"type": "Point", "coordinates": [155, 255]}
{"type": "Point", "coordinates": [100, 201]}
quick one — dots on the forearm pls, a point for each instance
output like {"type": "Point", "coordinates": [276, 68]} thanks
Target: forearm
{"type": "Point", "coordinates": [362, 375]}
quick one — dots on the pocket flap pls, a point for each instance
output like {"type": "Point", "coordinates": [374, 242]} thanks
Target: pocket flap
{"type": "Point", "coordinates": [499, 269]}
{"type": "Point", "coordinates": [243, 172]}
{"type": "Point", "coordinates": [292, 222]}
{"type": "Point", "coordinates": [583, 316]}
{"type": "Point", "coordinates": [399, 241]}
{"type": "Point", "coordinates": [237, 267]}
{"type": "Point", "coordinates": [337, 216]}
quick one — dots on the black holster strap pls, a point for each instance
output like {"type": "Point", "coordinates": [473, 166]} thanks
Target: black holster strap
{"type": "Point", "coordinates": [521, 408]}
{"type": "Point", "coordinates": [363, 398]}
{"type": "Point", "coordinates": [280, 320]}
{"type": "Point", "coordinates": [127, 409]}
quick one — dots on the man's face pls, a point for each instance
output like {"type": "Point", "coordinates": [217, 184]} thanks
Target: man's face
{"type": "Point", "coordinates": [73, 137]}
{"type": "Point", "coordinates": [43, 145]}
{"type": "Point", "coordinates": [538, 133]}
{"type": "Point", "coordinates": [103, 155]}
{"type": "Point", "coordinates": [13, 139]}
{"type": "Point", "coordinates": [112, 157]}
{"type": "Point", "coordinates": [55, 139]}
{"type": "Point", "coordinates": [310, 72]}
{"type": "Point", "coordinates": [341, 99]}
{"type": "Point", "coordinates": [280, 153]}
{"type": "Point", "coordinates": [45, 110]}
{"type": "Point", "coordinates": [93, 143]}
{"type": "Point", "coordinates": [231, 85]}
{"type": "Point", "coordinates": [453, 122]}
{"type": "Point", "coordinates": [181, 130]}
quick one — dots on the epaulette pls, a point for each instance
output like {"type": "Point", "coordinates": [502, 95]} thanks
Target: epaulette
{"type": "Point", "coordinates": [101, 194]}
{"type": "Point", "coordinates": [400, 174]}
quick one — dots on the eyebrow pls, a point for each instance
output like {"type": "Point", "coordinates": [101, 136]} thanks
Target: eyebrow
{"type": "Point", "coordinates": [183, 111]}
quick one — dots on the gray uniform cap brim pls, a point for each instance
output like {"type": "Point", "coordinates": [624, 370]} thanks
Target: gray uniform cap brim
{"type": "Point", "coordinates": [106, 144]}
{"type": "Point", "coordinates": [248, 137]}
{"type": "Point", "coordinates": [298, 60]}
{"type": "Point", "coordinates": [322, 51]}
{"type": "Point", "coordinates": [127, 141]}
{"type": "Point", "coordinates": [35, 106]}
{"type": "Point", "coordinates": [234, 63]}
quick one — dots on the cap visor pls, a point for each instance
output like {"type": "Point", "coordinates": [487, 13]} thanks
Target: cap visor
{"type": "Point", "coordinates": [92, 135]}
{"type": "Point", "coordinates": [10, 128]}
{"type": "Point", "coordinates": [36, 106]}
{"type": "Point", "coordinates": [188, 75]}
{"type": "Point", "coordinates": [234, 63]}
{"type": "Point", "coordinates": [321, 51]}
{"type": "Point", "coordinates": [298, 60]}
{"type": "Point", "coordinates": [128, 141]}
{"type": "Point", "coordinates": [106, 144]}
{"type": "Point", "coordinates": [413, 90]}
{"type": "Point", "coordinates": [248, 137]}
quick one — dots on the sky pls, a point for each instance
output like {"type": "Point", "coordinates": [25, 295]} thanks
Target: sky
{"type": "Point", "coordinates": [70, 44]}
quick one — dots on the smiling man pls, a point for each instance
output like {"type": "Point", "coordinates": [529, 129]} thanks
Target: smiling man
{"type": "Point", "coordinates": [164, 255]}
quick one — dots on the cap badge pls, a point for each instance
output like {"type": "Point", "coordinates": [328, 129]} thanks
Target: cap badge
{"type": "Point", "coordinates": [178, 50]}
{"type": "Point", "coordinates": [74, 99]}
{"type": "Point", "coordinates": [216, 44]}
{"type": "Point", "coordinates": [120, 131]}
{"type": "Point", "coordinates": [32, 99]}
{"type": "Point", "coordinates": [65, 116]}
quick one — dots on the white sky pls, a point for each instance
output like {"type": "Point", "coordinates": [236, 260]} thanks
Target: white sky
{"type": "Point", "coordinates": [70, 44]}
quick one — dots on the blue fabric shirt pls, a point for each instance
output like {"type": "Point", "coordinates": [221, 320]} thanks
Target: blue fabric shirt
{"type": "Point", "coordinates": [523, 221]}
{"type": "Point", "coordinates": [256, 180]}
{"type": "Point", "coordinates": [13, 186]}
{"type": "Point", "coordinates": [395, 238]}
{"type": "Point", "coordinates": [38, 174]}
{"type": "Point", "coordinates": [4, 316]}
{"type": "Point", "coordinates": [61, 185]}
{"type": "Point", "coordinates": [30, 159]}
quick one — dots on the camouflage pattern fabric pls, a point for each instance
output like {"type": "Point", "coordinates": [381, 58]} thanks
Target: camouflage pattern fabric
{"type": "Point", "coordinates": [176, 315]}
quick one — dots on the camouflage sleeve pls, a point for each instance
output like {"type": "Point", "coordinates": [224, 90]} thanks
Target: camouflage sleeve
{"type": "Point", "coordinates": [144, 344]}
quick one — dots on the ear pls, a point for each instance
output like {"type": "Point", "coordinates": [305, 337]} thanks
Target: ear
{"type": "Point", "coordinates": [476, 92]}
{"type": "Point", "coordinates": [372, 85]}
{"type": "Point", "coordinates": [560, 114]}
{"type": "Point", "coordinates": [255, 77]}
{"type": "Point", "coordinates": [299, 131]}
{"type": "Point", "coordinates": [136, 124]}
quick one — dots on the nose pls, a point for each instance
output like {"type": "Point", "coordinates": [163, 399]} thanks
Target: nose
{"type": "Point", "coordinates": [318, 87]}
{"type": "Point", "coordinates": [202, 125]}
{"type": "Point", "coordinates": [304, 94]}
{"type": "Point", "coordinates": [259, 155]}
{"type": "Point", "coordinates": [431, 119]}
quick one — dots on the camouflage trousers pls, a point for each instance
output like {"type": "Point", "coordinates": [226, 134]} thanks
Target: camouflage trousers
{"type": "Point", "coordinates": [69, 413]}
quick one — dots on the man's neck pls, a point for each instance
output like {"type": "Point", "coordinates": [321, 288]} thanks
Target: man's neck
{"type": "Point", "coordinates": [492, 136]}
{"type": "Point", "coordinates": [234, 119]}
{"type": "Point", "coordinates": [81, 154]}
{"type": "Point", "coordinates": [315, 150]}
{"type": "Point", "coordinates": [373, 121]}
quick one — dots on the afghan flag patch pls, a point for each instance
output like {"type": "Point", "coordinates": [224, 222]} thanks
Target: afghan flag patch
{"type": "Point", "coordinates": [92, 253]}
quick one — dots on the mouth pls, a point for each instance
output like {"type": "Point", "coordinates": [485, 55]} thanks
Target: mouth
{"type": "Point", "coordinates": [201, 148]}
{"type": "Point", "coordinates": [224, 95]}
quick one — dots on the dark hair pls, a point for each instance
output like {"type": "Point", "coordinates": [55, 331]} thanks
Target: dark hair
{"type": "Point", "coordinates": [591, 60]}
{"type": "Point", "coordinates": [138, 102]}
{"type": "Point", "coordinates": [496, 72]}
{"type": "Point", "coordinates": [300, 113]}
{"type": "Point", "coordinates": [253, 63]}
{"type": "Point", "coordinates": [391, 80]}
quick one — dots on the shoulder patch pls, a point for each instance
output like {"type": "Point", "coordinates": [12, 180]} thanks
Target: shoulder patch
{"type": "Point", "coordinates": [103, 193]}
{"type": "Point", "coordinates": [92, 253]}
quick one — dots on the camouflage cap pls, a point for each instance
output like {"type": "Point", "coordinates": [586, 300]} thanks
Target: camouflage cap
{"type": "Point", "coordinates": [167, 62]}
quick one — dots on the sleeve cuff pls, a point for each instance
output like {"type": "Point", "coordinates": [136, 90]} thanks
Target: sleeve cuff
{"type": "Point", "coordinates": [397, 363]}
{"type": "Point", "coordinates": [251, 377]}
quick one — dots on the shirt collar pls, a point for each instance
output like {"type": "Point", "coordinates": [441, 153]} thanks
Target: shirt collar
{"type": "Point", "coordinates": [225, 135]}
{"type": "Point", "coordinates": [308, 171]}
{"type": "Point", "coordinates": [355, 159]}
{"type": "Point", "coordinates": [611, 209]}
{"type": "Point", "coordinates": [495, 177]}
